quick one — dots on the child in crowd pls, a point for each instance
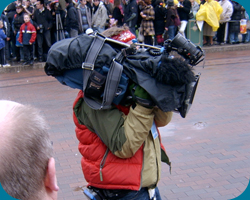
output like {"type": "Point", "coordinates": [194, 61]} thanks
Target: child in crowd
{"type": "Point", "coordinates": [27, 37]}
{"type": "Point", "coordinates": [2, 44]}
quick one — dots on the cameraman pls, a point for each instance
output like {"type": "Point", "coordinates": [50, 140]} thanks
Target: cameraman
{"type": "Point", "coordinates": [121, 146]}
{"type": "Point", "coordinates": [121, 149]}
{"type": "Point", "coordinates": [72, 25]}
{"type": "Point", "coordinates": [43, 21]}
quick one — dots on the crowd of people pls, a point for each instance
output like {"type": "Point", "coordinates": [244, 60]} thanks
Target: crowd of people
{"type": "Point", "coordinates": [28, 28]}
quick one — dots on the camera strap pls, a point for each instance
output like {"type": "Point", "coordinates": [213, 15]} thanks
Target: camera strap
{"type": "Point", "coordinates": [112, 80]}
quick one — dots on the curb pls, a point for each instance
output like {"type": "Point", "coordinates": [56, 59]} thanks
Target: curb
{"type": "Point", "coordinates": [227, 47]}
{"type": "Point", "coordinates": [16, 67]}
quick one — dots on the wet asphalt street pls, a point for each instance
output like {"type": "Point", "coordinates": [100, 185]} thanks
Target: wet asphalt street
{"type": "Point", "coordinates": [209, 149]}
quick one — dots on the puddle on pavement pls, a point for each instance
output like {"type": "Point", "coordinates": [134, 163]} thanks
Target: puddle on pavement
{"type": "Point", "coordinates": [200, 125]}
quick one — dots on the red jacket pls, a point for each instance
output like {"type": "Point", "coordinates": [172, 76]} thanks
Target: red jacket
{"type": "Point", "coordinates": [28, 36]}
{"type": "Point", "coordinates": [96, 155]}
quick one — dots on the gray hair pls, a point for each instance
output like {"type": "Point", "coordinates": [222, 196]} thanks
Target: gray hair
{"type": "Point", "coordinates": [25, 152]}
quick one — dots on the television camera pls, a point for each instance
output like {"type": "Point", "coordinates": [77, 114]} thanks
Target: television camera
{"type": "Point", "coordinates": [96, 63]}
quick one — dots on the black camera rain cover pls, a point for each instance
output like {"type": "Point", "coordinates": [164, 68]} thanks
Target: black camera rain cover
{"type": "Point", "coordinates": [141, 68]}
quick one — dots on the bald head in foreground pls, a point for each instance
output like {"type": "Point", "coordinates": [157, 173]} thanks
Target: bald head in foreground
{"type": "Point", "coordinates": [27, 168]}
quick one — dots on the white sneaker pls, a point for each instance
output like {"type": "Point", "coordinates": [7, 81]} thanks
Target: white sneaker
{"type": "Point", "coordinates": [0, 65]}
{"type": "Point", "coordinates": [6, 65]}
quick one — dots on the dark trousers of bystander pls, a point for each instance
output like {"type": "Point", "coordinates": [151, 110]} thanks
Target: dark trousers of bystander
{"type": "Point", "coordinates": [7, 52]}
{"type": "Point", "coordinates": [2, 61]}
{"type": "Point", "coordinates": [28, 53]}
{"type": "Point", "coordinates": [221, 33]}
{"type": "Point", "coordinates": [40, 37]}
{"type": "Point", "coordinates": [148, 40]}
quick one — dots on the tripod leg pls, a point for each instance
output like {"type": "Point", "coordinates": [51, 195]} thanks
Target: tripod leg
{"type": "Point", "coordinates": [57, 33]}
{"type": "Point", "coordinates": [61, 28]}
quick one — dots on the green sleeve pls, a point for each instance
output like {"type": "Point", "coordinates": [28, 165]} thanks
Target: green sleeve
{"type": "Point", "coordinates": [107, 124]}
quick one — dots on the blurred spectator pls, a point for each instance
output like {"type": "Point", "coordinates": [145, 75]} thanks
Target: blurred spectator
{"type": "Point", "coordinates": [2, 44]}
{"type": "Point", "coordinates": [109, 6]}
{"type": "Point", "coordinates": [27, 37]}
{"type": "Point", "coordinates": [159, 21]}
{"type": "Point", "coordinates": [10, 11]}
{"type": "Point", "coordinates": [29, 8]}
{"type": "Point", "coordinates": [85, 13]}
{"type": "Point", "coordinates": [234, 27]}
{"type": "Point", "coordinates": [147, 24]}
{"type": "Point", "coordinates": [72, 25]}
{"type": "Point", "coordinates": [75, 3]}
{"type": "Point", "coordinates": [225, 17]}
{"type": "Point", "coordinates": [90, 5]}
{"type": "Point", "coordinates": [99, 16]}
{"type": "Point", "coordinates": [183, 8]}
{"type": "Point", "coordinates": [171, 13]}
{"type": "Point", "coordinates": [194, 7]}
{"type": "Point", "coordinates": [246, 37]}
{"type": "Point", "coordinates": [7, 31]}
{"type": "Point", "coordinates": [16, 24]}
{"type": "Point", "coordinates": [33, 3]}
{"type": "Point", "coordinates": [47, 5]}
{"type": "Point", "coordinates": [43, 23]}
{"type": "Point", "coordinates": [117, 14]}
{"type": "Point", "coordinates": [209, 13]}
{"type": "Point", "coordinates": [130, 14]}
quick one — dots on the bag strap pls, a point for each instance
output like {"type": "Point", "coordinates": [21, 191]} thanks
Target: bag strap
{"type": "Point", "coordinates": [88, 66]}
{"type": "Point", "coordinates": [112, 80]}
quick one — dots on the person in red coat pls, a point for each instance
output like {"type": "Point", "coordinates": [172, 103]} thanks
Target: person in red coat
{"type": "Point", "coordinates": [27, 37]}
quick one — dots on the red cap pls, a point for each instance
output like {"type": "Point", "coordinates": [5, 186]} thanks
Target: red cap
{"type": "Point", "coordinates": [124, 36]}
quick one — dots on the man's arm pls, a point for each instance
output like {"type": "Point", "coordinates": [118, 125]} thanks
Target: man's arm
{"type": "Point", "coordinates": [104, 16]}
{"type": "Point", "coordinates": [162, 118]}
{"type": "Point", "coordinates": [133, 11]}
{"type": "Point", "coordinates": [33, 35]}
{"type": "Point", "coordinates": [229, 11]}
{"type": "Point", "coordinates": [7, 26]}
{"type": "Point", "coordinates": [123, 135]}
